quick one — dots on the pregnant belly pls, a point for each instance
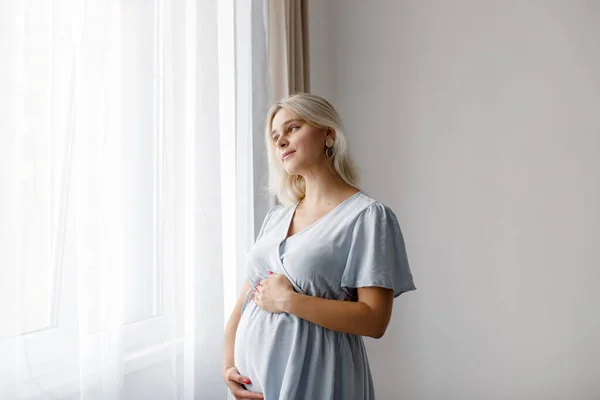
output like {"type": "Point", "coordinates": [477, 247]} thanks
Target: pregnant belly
{"type": "Point", "coordinates": [286, 357]}
{"type": "Point", "coordinates": [267, 346]}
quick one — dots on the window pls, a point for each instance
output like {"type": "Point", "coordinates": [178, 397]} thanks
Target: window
{"type": "Point", "coordinates": [61, 204]}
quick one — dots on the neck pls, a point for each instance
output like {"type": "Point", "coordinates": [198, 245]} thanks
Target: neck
{"type": "Point", "coordinates": [325, 187]}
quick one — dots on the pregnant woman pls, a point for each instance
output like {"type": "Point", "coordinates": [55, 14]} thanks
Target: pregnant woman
{"type": "Point", "coordinates": [324, 270]}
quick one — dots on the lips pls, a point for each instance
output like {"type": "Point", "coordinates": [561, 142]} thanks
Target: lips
{"type": "Point", "coordinates": [287, 153]}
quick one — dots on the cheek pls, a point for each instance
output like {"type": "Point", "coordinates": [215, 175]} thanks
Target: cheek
{"type": "Point", "coordinates": [307, 146]}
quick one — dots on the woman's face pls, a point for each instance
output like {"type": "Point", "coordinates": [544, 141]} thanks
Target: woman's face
{"type": "Point", "coordinates": [299, 146]}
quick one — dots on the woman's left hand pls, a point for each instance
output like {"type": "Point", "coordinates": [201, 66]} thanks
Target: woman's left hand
{"type": "Point", "coordinates": [272, 294]}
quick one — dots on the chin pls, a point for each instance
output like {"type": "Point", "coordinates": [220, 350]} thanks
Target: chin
{"type": "Point", "coordinates": [291, 171]}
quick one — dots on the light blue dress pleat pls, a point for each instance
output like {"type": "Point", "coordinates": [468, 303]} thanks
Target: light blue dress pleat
{"type": "Point", "coordinates": [357, 244]}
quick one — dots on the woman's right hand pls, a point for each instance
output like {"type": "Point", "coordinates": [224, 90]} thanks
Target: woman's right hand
{"type": "Point", "coordinates": [235, 382]}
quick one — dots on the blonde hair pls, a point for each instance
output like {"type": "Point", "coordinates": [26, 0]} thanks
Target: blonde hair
{"type": "Point", "coordinates": [317, 112]}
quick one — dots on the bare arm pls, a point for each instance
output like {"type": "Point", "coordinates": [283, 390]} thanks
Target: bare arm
{"type": "Point", "coordinates": [369, 316]}
{"type": "Point", "coordinates": [231, 328]}
{"type": "Point", "coordinates": [234, 381]}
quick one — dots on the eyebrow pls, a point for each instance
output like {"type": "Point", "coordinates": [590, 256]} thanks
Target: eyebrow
{"type": "Point", "coordinates": [285, 123]}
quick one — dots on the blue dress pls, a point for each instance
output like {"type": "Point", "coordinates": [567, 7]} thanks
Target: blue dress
{"type": "Point", "coordinates": [359, 243]}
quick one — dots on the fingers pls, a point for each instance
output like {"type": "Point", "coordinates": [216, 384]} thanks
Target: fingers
{"type": "Point", "coordinates": [256, 289]}
{"type": "Point", "coordinates": [236, 377]}
{"type": "Point", "coordinates": [257, 292]}
{"type": "Point", "coordinates": [240, 393]}
{"type": "Point", "coordinates": [246, 394]}
{"type": "Point", "coordinates": [235, 382]}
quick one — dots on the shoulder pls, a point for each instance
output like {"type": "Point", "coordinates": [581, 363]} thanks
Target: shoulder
{"type": "Point", "coordinates": [375, 217]}
{"type": "Point", "coordinates": [370, 208]}
{"type": "Point", "coordinates": [272, 218]}
{"type": "Point", "coordinates": [375, 228]}
{"type": "Point", "coordinates": [277, 210]}
{"type": "Point", "coordinates": [276, 213]}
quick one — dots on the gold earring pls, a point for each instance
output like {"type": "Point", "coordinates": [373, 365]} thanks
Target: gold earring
{"type": "Point", "coordinates": [329, 144]}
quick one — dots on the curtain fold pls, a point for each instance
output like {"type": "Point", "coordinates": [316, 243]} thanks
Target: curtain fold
{"type": "Point", "coordinates": [112, 278]}
{"type": "Point", "coordinates": [288, 45]}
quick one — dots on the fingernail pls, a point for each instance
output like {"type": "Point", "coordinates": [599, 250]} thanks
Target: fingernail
{"type": "Point", "coordinates": [247, 381]}
{"type": "Point", "coordinates": [270, 273]}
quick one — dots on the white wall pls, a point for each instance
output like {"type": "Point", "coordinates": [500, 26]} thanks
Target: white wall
{"type": "Point", "coordinates": [478, 122]}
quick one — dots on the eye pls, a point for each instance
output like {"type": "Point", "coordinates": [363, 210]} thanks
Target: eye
{"type": "Point", "coordinates": [293, 127]}
{"type": "Point", "coordinates": [275, 138]}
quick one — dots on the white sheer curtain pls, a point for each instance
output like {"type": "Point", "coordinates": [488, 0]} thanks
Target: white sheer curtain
{"type": "Point", "coordinates": [112, 277]}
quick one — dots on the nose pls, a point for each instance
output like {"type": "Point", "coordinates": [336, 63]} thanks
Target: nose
{"type": "Point", "coordinates": [281, 142]}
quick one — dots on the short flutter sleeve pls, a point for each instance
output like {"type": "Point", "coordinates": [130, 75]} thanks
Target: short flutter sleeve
{"type": "Point", "coordinates": [377, 255]}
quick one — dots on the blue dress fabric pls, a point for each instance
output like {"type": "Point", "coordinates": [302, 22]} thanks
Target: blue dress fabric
{"type": "Point", "coordinates": [357, 244]}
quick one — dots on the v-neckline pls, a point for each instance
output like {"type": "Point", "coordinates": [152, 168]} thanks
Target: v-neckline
{"type": "Point", "coordinates": [293, 213]}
